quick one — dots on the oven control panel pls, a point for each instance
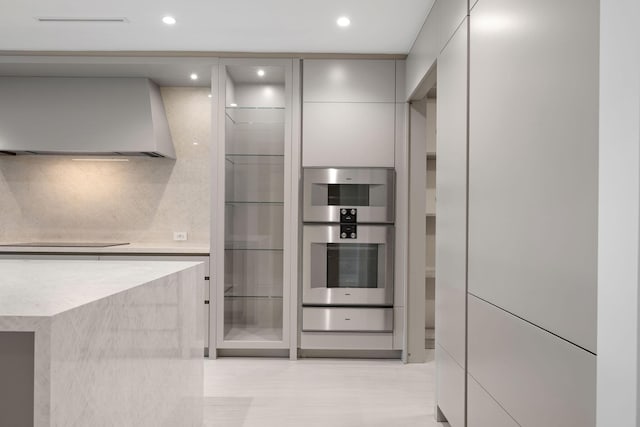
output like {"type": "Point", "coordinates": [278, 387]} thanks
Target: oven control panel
{"type": "Point", "coordinates": [348, 216]}
{"type": "Point", "coordinates": [348, 223]}
{"type": "Point", "coordinates": [348, 231]}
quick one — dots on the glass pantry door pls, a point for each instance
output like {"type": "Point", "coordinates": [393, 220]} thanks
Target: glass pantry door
{"type": "Point", "coordinates": [257, 137]}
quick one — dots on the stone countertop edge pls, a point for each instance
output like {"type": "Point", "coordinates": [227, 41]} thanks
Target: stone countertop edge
{"type": "Point", "coordinates": [39, 289]}
{"type": "Point", "coordinates": [130, 249]}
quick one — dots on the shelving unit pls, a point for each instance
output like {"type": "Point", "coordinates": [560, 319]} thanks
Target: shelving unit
{"type": "Point", "coordinates": [254, 204]}
{"type": "Point", "coordinates": [253, 303]}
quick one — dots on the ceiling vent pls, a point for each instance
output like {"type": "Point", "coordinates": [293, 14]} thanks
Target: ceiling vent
{"type": "Point", "coordinates": [112, 20]}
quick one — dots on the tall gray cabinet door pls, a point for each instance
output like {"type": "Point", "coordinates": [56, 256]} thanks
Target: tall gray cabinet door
{"type": "Point", "coordinates": [533, 151]}
{"type": "Point", "coordinates": [451, 226]}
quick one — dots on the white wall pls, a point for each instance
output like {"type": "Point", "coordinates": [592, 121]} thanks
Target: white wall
{"type": "Point", "coordinates": [618, 298]}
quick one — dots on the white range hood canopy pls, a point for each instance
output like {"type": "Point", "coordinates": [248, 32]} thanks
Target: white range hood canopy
{"type": "Point", "coordinates": [83, 116]}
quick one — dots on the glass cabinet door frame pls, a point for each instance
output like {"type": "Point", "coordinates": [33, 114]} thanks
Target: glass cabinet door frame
{"type": "Point", "coordinates": [291, 200]}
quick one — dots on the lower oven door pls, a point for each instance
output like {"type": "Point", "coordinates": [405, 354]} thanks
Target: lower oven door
{"type": "Point", "coordinates": [348, 271]}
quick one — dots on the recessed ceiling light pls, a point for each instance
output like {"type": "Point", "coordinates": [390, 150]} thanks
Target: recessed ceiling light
{"type": "Point", "coordinates": [209, 95]}
{"type": "Point", "coordinates": [193, 76]}
{"type": "Point", "coordinates": [343, 21]}
{"type": "Point", "coordinates": [260, 72]}
{"type": "Point", "coordinates": [169, 20]}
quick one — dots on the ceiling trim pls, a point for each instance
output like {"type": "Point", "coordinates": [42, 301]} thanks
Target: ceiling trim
{"type": "Point", "coordinates": [203, 54]}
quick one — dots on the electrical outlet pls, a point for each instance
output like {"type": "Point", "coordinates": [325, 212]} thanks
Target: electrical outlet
{"type": "Point", "coordinates": [179, 235]}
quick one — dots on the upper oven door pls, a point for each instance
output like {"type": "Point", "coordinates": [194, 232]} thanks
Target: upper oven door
{"type": "Point", "coordinates": [339, 269]}
{"type": "Point", "coordinates": [370, 191]}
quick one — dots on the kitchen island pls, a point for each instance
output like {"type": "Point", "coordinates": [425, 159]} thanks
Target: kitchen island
{"type": "Point", "coordinates": [101, 343]}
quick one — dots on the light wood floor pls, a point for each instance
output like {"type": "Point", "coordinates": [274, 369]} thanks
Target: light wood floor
{"type": "Point", "coordinates": [255, 392]}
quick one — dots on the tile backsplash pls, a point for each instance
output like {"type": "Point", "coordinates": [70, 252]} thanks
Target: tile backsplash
{"type": "Point", "coordinates": [142, 200]}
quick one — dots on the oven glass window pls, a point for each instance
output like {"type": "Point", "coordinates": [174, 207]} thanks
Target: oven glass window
{"type": "Point", "coordinates": [352, 265]}
{"type": "Point", "coordinates": [348, 195]}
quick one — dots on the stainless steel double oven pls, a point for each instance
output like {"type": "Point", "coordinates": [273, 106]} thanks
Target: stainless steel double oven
{"type": "Point", "coordinates": [348, 237]}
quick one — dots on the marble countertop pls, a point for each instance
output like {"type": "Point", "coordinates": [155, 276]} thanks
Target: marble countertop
{"type": "Point", "coordinates": [167, 248]}
{"type": "Point", "coordinates": [46, 288]}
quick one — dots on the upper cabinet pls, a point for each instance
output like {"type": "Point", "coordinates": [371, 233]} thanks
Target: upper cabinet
{"type": "Point", "coordinates": [349, 81]}
{"type": "Point", "coordinates": [349, 114]}
{"type": "Point", "coordinates": [348, 134]}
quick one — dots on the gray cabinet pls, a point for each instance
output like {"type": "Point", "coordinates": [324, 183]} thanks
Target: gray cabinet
{"type": "Point", "coordinates": [349, 114]}
{"type": "Point", "coordinates": [483, 410]}
{"type": "Point", "coordinates": [348, 134]}
{"type": "Point", "coordinates": [525, 320]}
{"type": "Point", "coordinates": [450, 394]}
{"type": "Point", "coordinates": [540, 379]}
{"type": "Point", "coordinates": [533, 204]}
{"type": "Point", "coordinates": [533, 152]}
{"type": "Point", "coordinates": [451, 225]}
{"type": "Point", "coordinates": [349, 80]}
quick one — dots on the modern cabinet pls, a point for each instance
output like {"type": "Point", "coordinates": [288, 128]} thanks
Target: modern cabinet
{"type": "Point", "coordinates": [254, 209]}
{"type": "Point", "coordinates": [539, 378]}
{"type": "Point", "coordinates": [451, 225]}
{"type": "Point", "coordinates": [349, 113]}
{"type": "Point", "coordinates": [483, 410]}
{"type": "Point", "coordinates": [348, 134]}
{"type": "Point", "coordinates": [533, 209]}
{"type": "Point", "coordinates": [533, 162]}
{"type": "Point", "coordinates": [340, 80]}
{"type": "Point", "coordinates": [450, 387]}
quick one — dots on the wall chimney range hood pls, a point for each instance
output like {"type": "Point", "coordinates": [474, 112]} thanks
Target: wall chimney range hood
{"type": "Point", "coordinates": [83, 116]}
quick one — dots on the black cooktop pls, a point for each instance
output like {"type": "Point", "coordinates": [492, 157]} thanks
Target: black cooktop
{"type": "Point", "coordinates": [65, 244]}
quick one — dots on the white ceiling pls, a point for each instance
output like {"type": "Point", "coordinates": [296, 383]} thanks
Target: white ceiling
{"type": "Point", "coordinates": [378, 26]}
